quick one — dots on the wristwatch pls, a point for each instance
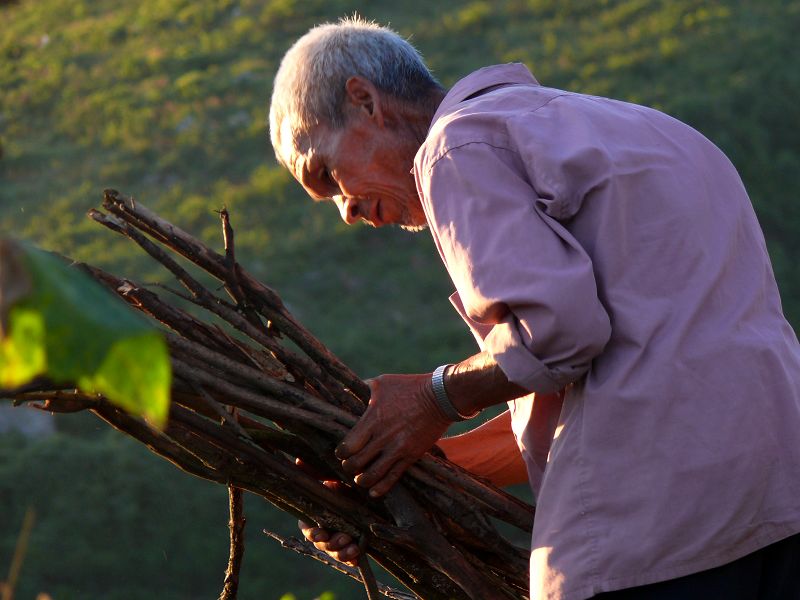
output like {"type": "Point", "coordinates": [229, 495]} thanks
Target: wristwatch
{"type": "Point", "coordinates": [442, 399]}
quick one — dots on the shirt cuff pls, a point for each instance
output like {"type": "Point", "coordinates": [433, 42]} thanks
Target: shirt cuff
{"type": "Point", "coordinates": [520, 366]}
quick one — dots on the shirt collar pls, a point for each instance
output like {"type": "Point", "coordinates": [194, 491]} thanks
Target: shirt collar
{"type": "Point", "coordinates": [481, 79]}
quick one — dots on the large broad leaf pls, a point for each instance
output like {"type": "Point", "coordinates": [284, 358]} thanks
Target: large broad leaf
{"type": "Point", "coordinates": [57, 322]}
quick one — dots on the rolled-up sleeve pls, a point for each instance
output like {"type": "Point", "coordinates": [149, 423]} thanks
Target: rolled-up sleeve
{"type": "Point", "coordinates": [516, 269]}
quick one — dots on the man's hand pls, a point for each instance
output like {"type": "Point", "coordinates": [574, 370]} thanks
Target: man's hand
{"type": "Point", "coordinates": [401, 423]}
{"type": "Point", "coordinates": [338, 545]}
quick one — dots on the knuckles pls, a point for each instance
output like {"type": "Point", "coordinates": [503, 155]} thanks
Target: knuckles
{"type": "Point", "coordinates": [385, 441]}
{"type": "Point", "coordinates": [338, 545]}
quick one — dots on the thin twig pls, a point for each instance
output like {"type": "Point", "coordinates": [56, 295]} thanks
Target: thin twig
{"type": "Point", "coordinates": [263, 297]}
{"type": "Point", "coordinates": [260, 404]}
{"type": "Point", "coordinates": [227, 417]}
{"type": "Point", "coordinates": [434, 532]}
{"type": "Point", "coordinates": [442, 555]}
{"type": "Point", "coordinates": [270, 385]}
{"type": "Point", "coordinates": [232, 283]}
{"type": "Point", "coordinates": [365, 570]}
{"type": "Point", "coordinates": [307, 549]}
{"type": "Point", "coordinates": [202, 297]}
{"type": "Point", "coordinates": [236, 525]}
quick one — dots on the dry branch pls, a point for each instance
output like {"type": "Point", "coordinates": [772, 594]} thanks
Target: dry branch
{"type": "Point", "coordinates": [237, 523]}
{"type": "Point", "coordinates": [245, 405]}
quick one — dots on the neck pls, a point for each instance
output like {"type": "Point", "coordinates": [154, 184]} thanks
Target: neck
{"type": "Point", "coordinates": [419, 117]}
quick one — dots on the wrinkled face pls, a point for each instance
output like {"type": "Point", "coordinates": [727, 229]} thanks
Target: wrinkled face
{"type": "Point", "coordinates": [365, 169]}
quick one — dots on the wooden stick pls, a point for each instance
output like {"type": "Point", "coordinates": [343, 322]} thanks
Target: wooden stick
{"type": "Point", "coordinates": [266, 299]}
{"type": "Point", "coordinates": [434, 532]}
{"type": "Point", "coordinates": [442, 555]}
{"type": "Point", "coordinates": [308, 549]}
{"type": "Point", "coordinates": [237, 523]}
{"type": "Point", "coordinates": [259, 404]}
{"type": "Point", "coordinates": [205, 299]}
{"type": "Point", "coordinates": [269, 385]}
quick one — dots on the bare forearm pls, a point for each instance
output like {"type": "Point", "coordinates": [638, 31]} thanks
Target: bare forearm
{"type": "Point", "coordinates": [382, 444]}
{"type": "Point", "coordinates": [478, 382]}
{"type": "Point", "coordinates": [488, 451]}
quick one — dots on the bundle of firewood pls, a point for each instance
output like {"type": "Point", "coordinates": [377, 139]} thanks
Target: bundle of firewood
{"type": "Point", "coordinates": [250, 399]}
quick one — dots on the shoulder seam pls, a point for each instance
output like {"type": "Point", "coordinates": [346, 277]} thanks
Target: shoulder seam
{"type": "Point", "coordinates": [442, 153]}
{"type": "Point", "coordinates": [449, 149]}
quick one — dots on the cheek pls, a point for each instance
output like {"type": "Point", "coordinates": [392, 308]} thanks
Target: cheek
{"type": "Point", "coordinates": [372, 173]}
{"type": "Point", "coordinates": [352, 185]}
{"type": "Point", "coordinates": [367, 181]}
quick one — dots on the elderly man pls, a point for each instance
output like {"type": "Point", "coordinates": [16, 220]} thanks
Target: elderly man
{"type": "Point", "coordinates": [608, 260]}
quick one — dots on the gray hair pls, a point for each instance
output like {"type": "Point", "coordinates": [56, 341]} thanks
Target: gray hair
{"type": "Point", "coordinates": [309, 87]}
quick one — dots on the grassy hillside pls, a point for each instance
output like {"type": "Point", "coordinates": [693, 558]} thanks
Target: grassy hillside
{"type": "Point", "coordinates": [166, 99]}
{"type": "Point", "coordinates": [114, 523]}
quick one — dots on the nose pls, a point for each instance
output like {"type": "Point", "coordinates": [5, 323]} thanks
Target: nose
{"type": "Point", "coordinates": [348, 209]}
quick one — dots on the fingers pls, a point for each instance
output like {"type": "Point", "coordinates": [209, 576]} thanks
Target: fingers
{"type": "Point", "coordinates": [400, 424]}
{"type": "Point", "coordinates": [358, 437]}
{"type": "Point", "coordinates": [384, 470]}
{"type": "Point", "coordinates": [389, 479]}
{"type": "Point", "coordinates": [338, 545]}
{"type": "Point", "coordinates": [354, 441]}
{"type": "Point", "coordinates": [373, 465]}
{"type": "Point", "coordinates": [313, 533]}
{"type": "Point", "coordinates": [355, 464]}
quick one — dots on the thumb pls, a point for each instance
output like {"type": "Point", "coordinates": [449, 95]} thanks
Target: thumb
{"type": "Point", "coordinates": [360, 434]}
{"type": "Point", "coordinates": [355, 440]}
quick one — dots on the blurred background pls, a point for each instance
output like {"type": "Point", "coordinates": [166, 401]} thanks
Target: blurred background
{"type": "Point", "coordinates": [166, 100]}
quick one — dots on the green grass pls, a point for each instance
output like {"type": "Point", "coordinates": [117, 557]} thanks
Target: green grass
{"type": "Point", "coordinates": [113, 523]}
{"type": "Point", "coordinates": [166, 100]}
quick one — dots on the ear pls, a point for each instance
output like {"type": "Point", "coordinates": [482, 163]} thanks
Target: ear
{"type": "Point", "coordinates": [364, 96]}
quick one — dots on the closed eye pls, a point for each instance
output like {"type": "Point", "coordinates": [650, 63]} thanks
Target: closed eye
{"type": "Point", "coordinates": [324, 176]}
{"type": "Point", "coordinates": [328, 182]}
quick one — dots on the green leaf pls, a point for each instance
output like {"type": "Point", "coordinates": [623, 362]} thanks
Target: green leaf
{"type": "Point", "coordinates": [59, 323]}
{"type": "Point", "coordinates": [22, 354]}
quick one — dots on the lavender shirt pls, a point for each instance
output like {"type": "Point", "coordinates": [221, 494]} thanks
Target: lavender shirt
{"type": "Point", "coordinates": [611, 250]}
